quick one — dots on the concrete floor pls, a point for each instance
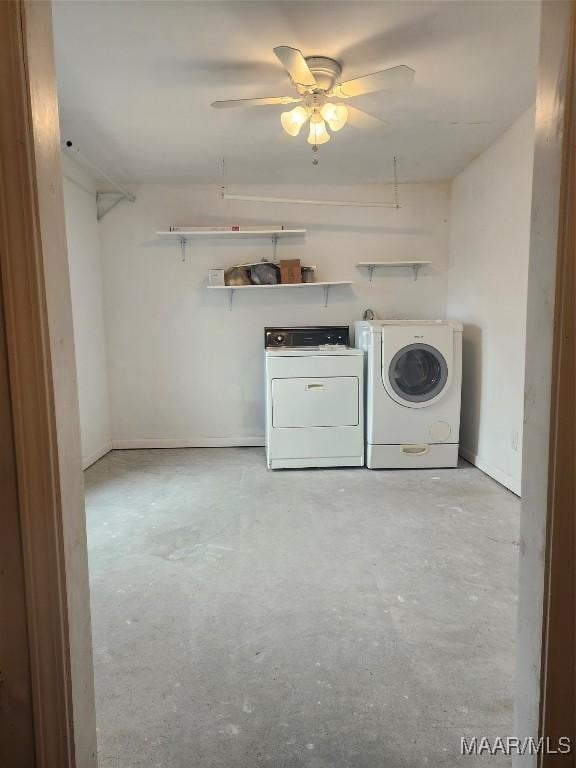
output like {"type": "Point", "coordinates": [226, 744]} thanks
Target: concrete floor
{"type": "Point", "coordinates": [326, 619]}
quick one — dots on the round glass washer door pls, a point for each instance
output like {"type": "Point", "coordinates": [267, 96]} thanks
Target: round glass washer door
{"type": "Point", "coordinates": [418, 373]}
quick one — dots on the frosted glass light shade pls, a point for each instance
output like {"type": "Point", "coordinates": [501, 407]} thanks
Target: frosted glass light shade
{"type": "Point", "coordinates": [336, 115]}
{"type": "Point", "coordinates": [293, 120]}
{"type": "Point", "coordinates": [318, 133]}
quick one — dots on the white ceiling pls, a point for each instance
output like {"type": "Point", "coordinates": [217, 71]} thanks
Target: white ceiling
{"type": "Point", "coordinates": [136, 80]}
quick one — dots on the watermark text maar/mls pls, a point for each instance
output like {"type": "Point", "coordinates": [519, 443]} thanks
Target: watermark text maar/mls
{"type": "Point", "coordinates": [512, 745]}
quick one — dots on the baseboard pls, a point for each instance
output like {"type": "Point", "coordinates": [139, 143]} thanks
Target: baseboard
{"type": "Point", "coordinates": [188, 442]}
{"type": "Point", "coordinates": [93, 458]}
{"type": "Point", "coordinates": [496, 474]}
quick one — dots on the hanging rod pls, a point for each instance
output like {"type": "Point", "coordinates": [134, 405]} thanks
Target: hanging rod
{"type": "Point", "coordinates": [79, 184]}
{"type": "Point", "coordinates": [127, 195]}
{"type": "Point", "coordinates": [299, 201]}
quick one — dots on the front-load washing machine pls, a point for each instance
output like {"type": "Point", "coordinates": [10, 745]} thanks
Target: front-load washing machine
{"type": "Point", "coordinates": [314, 398]}
{"type": "Point", "coordinates": [413, 384]}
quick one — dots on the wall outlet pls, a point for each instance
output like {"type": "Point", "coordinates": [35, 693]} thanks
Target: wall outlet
{"type": "Point", "coordinates": [514, 440]}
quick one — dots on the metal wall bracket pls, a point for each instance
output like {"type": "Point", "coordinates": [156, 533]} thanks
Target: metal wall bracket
{"type": "Point", "coordinates": [230, 299]}
{"type": "Point", "coordinates": [102, 196]}
{"type": "Point", "coordinates": [415, 268]}
{"type": "Point", "coordinates": [183, 243]}
{"type": "Point", "coordinates": [121, 192]}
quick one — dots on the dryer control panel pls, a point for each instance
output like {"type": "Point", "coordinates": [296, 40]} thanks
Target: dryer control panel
{"type": "Point", "coordinates": [307, 336]}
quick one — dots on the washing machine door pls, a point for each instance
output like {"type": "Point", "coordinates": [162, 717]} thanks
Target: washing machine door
{"type": "Point", "coordinates": [417, 374]}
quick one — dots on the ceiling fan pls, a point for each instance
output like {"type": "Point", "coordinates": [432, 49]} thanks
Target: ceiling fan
{"type": "Point", "coordinates": [319, 88]}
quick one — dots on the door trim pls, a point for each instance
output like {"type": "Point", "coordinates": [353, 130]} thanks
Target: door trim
{"type": "Point", "coordinates": [42, 394]}
{"type": "Point", "coordinates": [558, 669]}
{"type": "Point", "coordinates": [32, 398]}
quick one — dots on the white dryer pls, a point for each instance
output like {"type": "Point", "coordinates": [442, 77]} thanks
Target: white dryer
{"type": "Point", "coordinates": [314, 398]}
{"type": "Point", "coordinates": [413, 384]}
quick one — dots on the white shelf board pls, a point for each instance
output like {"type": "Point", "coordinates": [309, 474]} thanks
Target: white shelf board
{"type": "Point", "coordinates": [325, 285]}
{"type": "Point", "coordinates": [393, 263]}
{"type": "Point", "coordinates": [372, 265]}
{"type": "Point", "coordinates": [189, 233]}
{"type": "Point", "coordinates": [279, 285]}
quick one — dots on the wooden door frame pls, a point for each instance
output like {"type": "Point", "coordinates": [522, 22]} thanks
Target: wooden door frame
{"type": "Point", "coordinates": [16, 710]}
{"type": "Point", "coordinates": [558, 664]}
{"type": "Point", "coordinates": [38, 363]}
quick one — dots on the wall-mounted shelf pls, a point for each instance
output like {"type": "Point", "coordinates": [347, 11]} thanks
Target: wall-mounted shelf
{"type": "Point", "coordinates": [232, 233]}
{"type": "Point", "coordinates": [279, 286]}
{"type": "Point", "coordinates": [184, 235]}
{"type": "Point", "coordinates": [372, 265]}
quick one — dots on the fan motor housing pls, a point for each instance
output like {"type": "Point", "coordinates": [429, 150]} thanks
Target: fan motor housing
{"type": "Point", "coordinates": [326, 71]}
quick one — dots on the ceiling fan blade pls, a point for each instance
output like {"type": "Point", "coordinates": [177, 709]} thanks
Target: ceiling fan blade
{"type": "Point", "coordinates": [395, 77]}
{"type": "Point", "coordinates": [295, 64]}
{"type": "Point", "coordinates": [263, 102]}
{"type": "Point", "coordinates": [360, 119]}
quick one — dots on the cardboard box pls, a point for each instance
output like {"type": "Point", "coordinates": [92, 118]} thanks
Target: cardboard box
{"type": "Point", "coordinates": [290, 271]}
{"type": "Point", "coordinates": [216, 277]}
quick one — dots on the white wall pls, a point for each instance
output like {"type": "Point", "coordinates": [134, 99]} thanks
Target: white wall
{"type": "Point", "coordinates": [184, 370]}
{"type": "Point", "coordinates": [487, 287]}
{"type": "Point", "coordinates": [85, 265]}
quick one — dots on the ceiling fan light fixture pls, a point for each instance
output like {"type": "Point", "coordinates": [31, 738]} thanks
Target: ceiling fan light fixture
{"type": "Point", "coordinates": [318, 133]}
{"type": "Point", "coordinates": [293, 120]}
{"type": "Point", "coordinates": [336, 115]}
{"type": "Point", "coordinates": [317, 80]}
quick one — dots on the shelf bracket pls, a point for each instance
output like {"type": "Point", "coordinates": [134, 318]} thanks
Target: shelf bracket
{"type": "Point", "coordinates": [101, 196]}
{"type": "Point", "coordinates": [230, 299]}
{"type": "Point", "coordinates": [274, 246]}
{"type": "Point", "coordinates": [371, 272]}
{"type": "Point", "coordinates": [183, 243]}
{"type": "Point", "coordinates": [415, 268]}
{"type": "Point", "coordinates": [326, 294]}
